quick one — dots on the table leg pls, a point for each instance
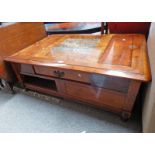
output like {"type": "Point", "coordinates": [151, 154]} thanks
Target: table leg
{"type": "Point", "coordinates": [7, 86]}
{"type": "Point", "coordinates": [130, 99]}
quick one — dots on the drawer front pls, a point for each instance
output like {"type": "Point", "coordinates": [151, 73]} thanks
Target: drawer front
{"type": "Point", "coordinates": [96, 95]}
{"type": "Point", "coordinates": [64, 74]}
{"type": "Point", "coordinates": [111, 83]}
{"type": "Point", "coordinates": [24, 68]}
{"type": "Point", "coordinates": [107, 82]}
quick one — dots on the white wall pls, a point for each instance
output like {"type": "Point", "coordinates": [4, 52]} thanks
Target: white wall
{"type": "Point", "coordinates": [148, 115]}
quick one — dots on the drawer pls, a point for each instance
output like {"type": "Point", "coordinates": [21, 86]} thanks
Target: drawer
{"type": "Point", "coordinates": [66, 74]}
{"type": "Point", "coordinates": [111, 83]}
{"type": "Point", "coordinates": [97, 96]}
{"type": "Point", "coordinates": [107, 82]}
{"type": "Point", "coordinates": [26, 69]}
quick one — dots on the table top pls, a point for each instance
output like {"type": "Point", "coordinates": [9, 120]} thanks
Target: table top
{"type": "Point", "coordinates": [120, 55]}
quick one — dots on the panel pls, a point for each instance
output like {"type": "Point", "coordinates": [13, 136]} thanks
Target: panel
{"type": "Point", "coordinates": [112, 83]}
{"type": "Point", "coordinates": [67, 74]}
{"type": "Point", "coordinates": [98, 96]}
{"type": "Point", "coordinates": [24, 68]}
{"type": "Point", "coordinates": [118, 51]}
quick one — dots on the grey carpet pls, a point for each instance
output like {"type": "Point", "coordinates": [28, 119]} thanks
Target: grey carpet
{"type": "Point", "coordinates": [25, 113]}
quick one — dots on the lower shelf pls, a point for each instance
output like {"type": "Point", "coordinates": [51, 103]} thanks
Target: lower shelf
{"type": "Point", "coordinates": [40, 89]}
{"type": "Point", "coordinates": [40, 85]}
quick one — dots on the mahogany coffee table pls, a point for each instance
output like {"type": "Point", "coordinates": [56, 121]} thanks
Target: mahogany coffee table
{"type": "Point", "coordinates": [105, 71]}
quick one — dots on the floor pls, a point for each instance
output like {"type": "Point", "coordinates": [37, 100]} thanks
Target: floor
{"type": "Point", "coordinates": [28, 111]}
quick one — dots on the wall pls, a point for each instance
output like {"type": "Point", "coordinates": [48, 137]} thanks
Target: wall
{"type": "Point", "coordinates": [148, 114]}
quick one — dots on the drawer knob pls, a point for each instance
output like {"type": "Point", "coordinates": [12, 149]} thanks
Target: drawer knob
{"type": "Point", "coordinates": [59, 74]}
{"type": "Point", "coordinates": [79, 75]}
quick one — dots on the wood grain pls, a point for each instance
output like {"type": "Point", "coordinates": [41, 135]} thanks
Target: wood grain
{"type": "Point", "coordinates": [114, 55]}
{"type": "Point", "coordinates": [104, 71]}
{"type": "Point", "coordinates": [15, 37]}
{"type": "Point", "coordinates": [96, 95]}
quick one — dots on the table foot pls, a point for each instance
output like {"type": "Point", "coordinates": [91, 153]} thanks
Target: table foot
{"type": "Point", "coordinates": [7, 86]}
{"type": "Point", "coordinates": [125, 116]}
{"type": "Point", "coordinates": [1, 84]}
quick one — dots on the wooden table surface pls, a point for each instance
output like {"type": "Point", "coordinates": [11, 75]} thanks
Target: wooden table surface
{"type": "Point", "coordinates": [118, 55]}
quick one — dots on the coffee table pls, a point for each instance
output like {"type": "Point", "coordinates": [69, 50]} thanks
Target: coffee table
{"type": "Point", "coordinates": [105, 71]}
